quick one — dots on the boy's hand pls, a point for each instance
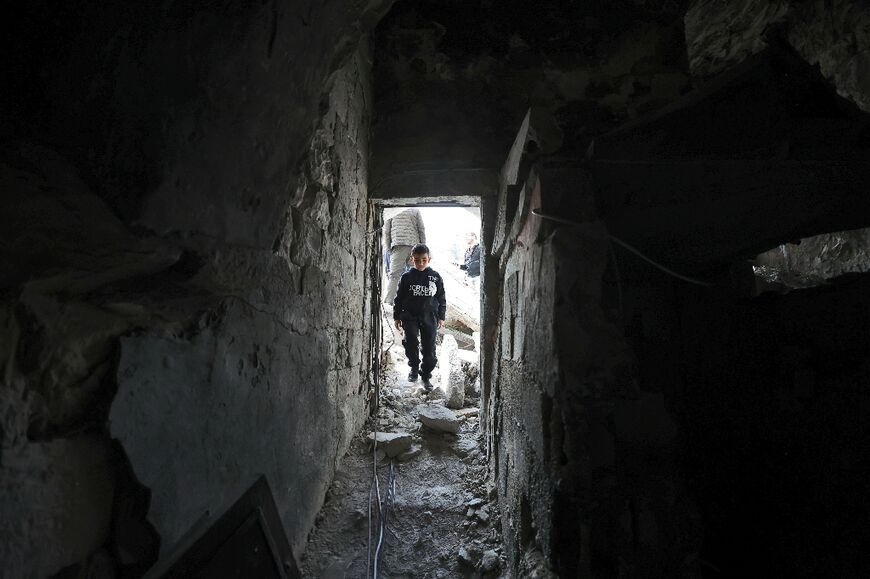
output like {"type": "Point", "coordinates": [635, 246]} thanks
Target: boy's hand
{"type": "Point", "coordinates": [398, 324]}
{"type": "Point", "coordinates": [440, 324]}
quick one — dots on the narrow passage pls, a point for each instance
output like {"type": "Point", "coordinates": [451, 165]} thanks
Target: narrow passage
{"type": "Point", "coordinates": [443, 520]}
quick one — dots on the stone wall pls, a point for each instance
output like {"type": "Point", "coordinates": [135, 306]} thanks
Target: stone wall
{"type": "Point", "coordinates": [276, 379]}
{"type": "Point", "coordinates": [835, 35]}
{"type": "Point", "coordinates": [184, 222]}
{"type": "Point", "coordinates": [582, 452]}
{"type": "Point", "coordinates": [814, 260]}
{"type": "Point", "coordinates": [454, 79]}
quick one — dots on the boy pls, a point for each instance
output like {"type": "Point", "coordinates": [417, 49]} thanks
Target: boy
{"type": "Point", "coordinates": [419, 309]}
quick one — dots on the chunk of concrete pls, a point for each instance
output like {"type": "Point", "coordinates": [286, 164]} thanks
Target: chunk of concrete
{"type": "Point", "coordinates": [439, 418]}
{"type": "Point", "coordinates": [490, 561]}
{"type": "Point", "coordinates": [452, 377]}
{"type": "Point", "coordinates": [392, 443]}
{"type": "Point", "coordinates": [468, 364]}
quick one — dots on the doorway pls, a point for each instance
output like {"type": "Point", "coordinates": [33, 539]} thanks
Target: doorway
{"type": "Point", "coordinates": [451, 233]}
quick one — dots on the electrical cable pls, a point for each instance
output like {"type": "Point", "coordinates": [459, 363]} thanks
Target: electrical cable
{"type": "Point", "coordinates": [382, 523]}
{"type": "Point", "coordinates": [392, 331]}
{"type": "Point", "coordinates": [369, 536]}
{"type": "Point", "coordinates": [375, 362]}
{"type": "Point", "coordinates": [627, 247]}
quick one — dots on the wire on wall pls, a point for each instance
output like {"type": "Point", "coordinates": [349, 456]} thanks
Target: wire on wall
{"type": "Point", "coordinates": [628, 248]}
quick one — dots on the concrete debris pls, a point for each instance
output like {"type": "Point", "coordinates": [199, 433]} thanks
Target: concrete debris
{"type": "Point", "coordinates": [476, 502]}
{"type": "Point", "coordinates": [470, 372]}
{"type": "Point", "coordinates": [436, 393]}
{"type": "Point", "coordinates": [466, 447]}
{"type": "Point", "coordinates": [392, 443]}
{"type": "Point", "coordinates": [452, 377]}
{"type": "Point", "coordinates": [482, 516]}
{"type": "Point", "coordinates": [490, 561]}
{"type": "Point", "coordinates": [439, 418]}
{"type": "Point", "coordinates": [468, 412]}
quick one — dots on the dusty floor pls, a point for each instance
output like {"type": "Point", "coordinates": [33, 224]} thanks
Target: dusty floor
{"type": "Point", "coordinates": [443, 521]}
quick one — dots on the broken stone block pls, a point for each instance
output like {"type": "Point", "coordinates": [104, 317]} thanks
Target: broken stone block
{"type": "Point", "coordinates": [490, 561]}
{"type": "Point", "coordinates": [452, 377]}
{"type": "Point", "coordinates": [482, 516]}
{"type": "Point", "coordinates": [392, 443]}
{"type": "Point", "coordinates": [439, 418]}
{"type": "Point", "coordinates": [468, 412]}
{"type": "Point", "coordinates": [468, 366]}
{"type": "Point", "coordinates": [466, 447]}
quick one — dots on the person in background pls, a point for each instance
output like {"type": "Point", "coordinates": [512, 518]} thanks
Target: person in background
{"type": "Point", "coordinates": [401, 233]}
{"type": "Point", "coordinates": [471, 265]}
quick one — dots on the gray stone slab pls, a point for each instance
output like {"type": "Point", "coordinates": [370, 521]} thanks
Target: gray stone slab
{"type": "Point", "coordinates": [439, 418]}
{"type": "Point", "coordinates": [392, 443]}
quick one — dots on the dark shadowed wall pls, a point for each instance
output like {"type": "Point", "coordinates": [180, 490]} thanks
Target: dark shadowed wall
{"type": "Point", "coordinates": [185, 243]}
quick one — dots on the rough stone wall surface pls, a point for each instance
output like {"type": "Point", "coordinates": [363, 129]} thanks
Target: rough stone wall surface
{"type": "Point", "coordinates": [583, 453]}
{"type": "Point", "coordinates": [275, 381]}
{"type": "Point", "coordinates": [453, 80]}
{"type": "Point", "coordinates": [187, 255]}
{"type": "Point", "coordinates": [816, 259]}
{"type": "Point", "coordinates": [835, 35]}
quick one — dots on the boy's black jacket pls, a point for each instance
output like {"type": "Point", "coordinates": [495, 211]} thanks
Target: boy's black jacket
{"type": "Point", "coordinates": [420, 292]}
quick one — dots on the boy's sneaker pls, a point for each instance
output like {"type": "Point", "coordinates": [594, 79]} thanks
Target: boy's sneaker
{"type": "Point", "coordinates": [412, 376]}
{"type": "Point", "coordinates": [427, 386]}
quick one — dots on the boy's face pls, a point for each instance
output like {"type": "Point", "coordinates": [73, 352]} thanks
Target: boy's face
{"type": "Point", "coordinates": [421, 260]}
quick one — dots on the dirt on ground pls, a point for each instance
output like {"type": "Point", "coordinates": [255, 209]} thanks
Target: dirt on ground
{"type": "Point", "coordinates": [441, 518]}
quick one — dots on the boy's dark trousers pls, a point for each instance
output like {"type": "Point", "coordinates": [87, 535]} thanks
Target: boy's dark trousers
{"type": "Point", "coordinates": [423, 326]}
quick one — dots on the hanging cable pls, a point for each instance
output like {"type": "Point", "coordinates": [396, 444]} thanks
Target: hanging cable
{"type": "Point", "coordinates": [375, 373]}
{"type": "Point", "coordinates": [369, 536]}
{"type": "Point", "coordinates": [627, 247]}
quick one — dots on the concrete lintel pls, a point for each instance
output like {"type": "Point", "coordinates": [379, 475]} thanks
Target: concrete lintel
{"type": "Point", "coordinates": [432, 185]}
